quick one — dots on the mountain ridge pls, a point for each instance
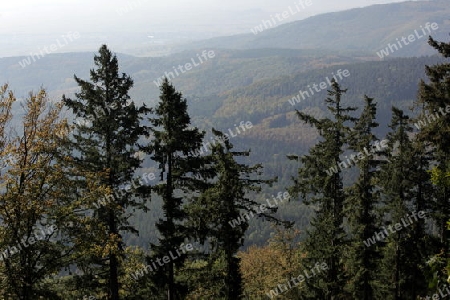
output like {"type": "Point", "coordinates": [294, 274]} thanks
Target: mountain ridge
{"type": "Point", "coordinates": [367, 34]}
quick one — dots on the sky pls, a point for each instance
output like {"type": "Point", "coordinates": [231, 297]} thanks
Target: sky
{"type": "Point", "coordinates": [37, 17]}
{"type": "Point", "coordinates": [50, 19]}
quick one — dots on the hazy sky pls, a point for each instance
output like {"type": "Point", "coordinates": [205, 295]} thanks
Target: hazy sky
{"type": "Point", "coordinates": [127, 25]}
{"type": "Point", "coordinates": [56, 16]}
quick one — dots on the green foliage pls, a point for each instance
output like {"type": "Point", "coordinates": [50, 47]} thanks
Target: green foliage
{"type": "Point", "coordinates": [403, 249]}
{"type": "Point", "coordinates": [360, 207]}
{"type": "Point", "coordinates": [105, 142]}
{"type": "Point", "coordinates": [199, 196]}
{"type": "Point", "coordinates": [325, 241]}
{"type": "Point", "coordinates": [433, 99]}
{"type": "Point", "coordinates": [174, 147]}
{"type": "Point", "coordinates": [213, 213]}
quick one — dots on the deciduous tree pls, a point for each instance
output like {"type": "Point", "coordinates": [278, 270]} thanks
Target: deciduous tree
{"type": "Point", "coordinates": [33, 198]}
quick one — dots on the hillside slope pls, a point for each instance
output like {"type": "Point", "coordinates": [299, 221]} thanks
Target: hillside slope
{"type": "Point", "coordinates": [367, 29]}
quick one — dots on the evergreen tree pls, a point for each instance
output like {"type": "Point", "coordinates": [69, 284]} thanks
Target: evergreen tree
{"type": "Point", "coordinates": [214, 213]}
{"type": "Point", "coordinates": [320, 183]}
{"type": "Point", "coordinates": [401, 268]}
{"type": "Point", "coordinates": [439, 263]}
{"type": "Point", "coordinates": [174, 147]}
{"type": "Point", "coordinates": [361, 202]}
{"type": "Point", "coordinates": [433, 100]}
{"type": "Point", "coordinates": [106, 143]}
{"type": "Point", "coordinates": [421, 243]}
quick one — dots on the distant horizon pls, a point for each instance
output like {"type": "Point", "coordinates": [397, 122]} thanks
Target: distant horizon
{"type": "Point", "coordinates": [115, 22]}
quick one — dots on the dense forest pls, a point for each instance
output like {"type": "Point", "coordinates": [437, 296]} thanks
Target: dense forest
{"type": "Point", "coordinates": [76, 185]}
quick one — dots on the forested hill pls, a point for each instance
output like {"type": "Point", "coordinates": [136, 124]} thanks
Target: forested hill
{"type": "Point", "coordinates": [268, 102]}
{"type": "Point", "coordinates": [227, 70]}
{"type": "Point", "coordinates": [255, 158]}
{"type": "Point", "coordinates": [255, 85]}
{"type": "Point", "coordinates": [369, 28]}
{"type": "Point", "coordinates": [278, 132]}
{"type": "Point", "coordinates": [245, 85]}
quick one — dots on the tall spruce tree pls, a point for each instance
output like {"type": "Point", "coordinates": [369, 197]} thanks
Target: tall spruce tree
{"type": "Point", "coordinates": [439, 262]}
{"type": "Point", "coordinates": [106, 142]}
{"type": "Point", "coordinates": [421, 242]}
{"type": "Point", "coordinates": [174, 146]}
{"type": "Point", "coordinates": [401, 269]}
{"type": "Point", "coordinates": [320, 183]}
{"type": "Point", "coordinates": [434, 99]}
{"type": "Point", "coordinates": [214, 213]}
{"type": "Point", "coordinates": [360, 208]}
{"type": "Point", "coordinates": [434, 135]}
